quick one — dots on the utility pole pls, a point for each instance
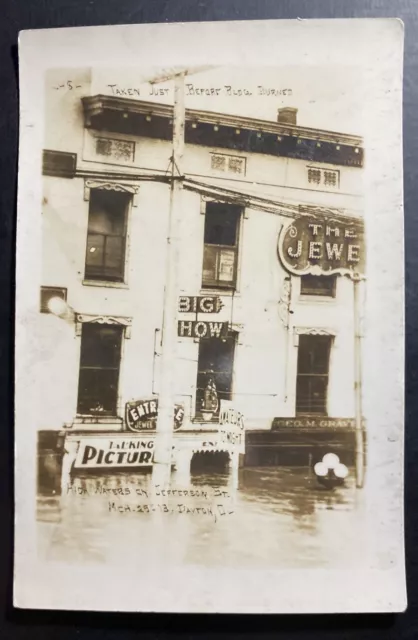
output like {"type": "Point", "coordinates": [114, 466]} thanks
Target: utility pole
{"type": "Point", "coordinates": [165, 418]}
{"type": "Point", "coordinates": [359, 431]}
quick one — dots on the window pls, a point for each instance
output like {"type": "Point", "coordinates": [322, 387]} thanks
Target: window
{"type": "Point", "coordinates": [99, 369]}
{"type": "Point", "coordinates": [59, 163]}
{"type": "Point", "coordinates": [47, 293]}
{"type": "Point", "coordinates": [318, 285]}
{"type": "Point", "coordinates": [220, 249]}
{"type": "Point", "coordinates": [228, 164]}
{"type": "Point", "coordinates": [324, 177]}
{"type": "Point", "coordinates": [215, 366]}
{"type": "Point", "coordinates": [312, 374]}
{"type": "Point", "coordinates": [106, 236]}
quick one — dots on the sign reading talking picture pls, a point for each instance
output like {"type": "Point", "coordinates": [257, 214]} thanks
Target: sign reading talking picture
{"type": "Point", "coordinates": [309, 245]}
{"type": "Point", "coordinates": [106, 452]}
{"type": "Point", "coordinates": [141, 415]}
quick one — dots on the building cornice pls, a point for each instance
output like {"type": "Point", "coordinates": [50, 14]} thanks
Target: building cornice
{"type": "Point", "coordinates": [219, 130]}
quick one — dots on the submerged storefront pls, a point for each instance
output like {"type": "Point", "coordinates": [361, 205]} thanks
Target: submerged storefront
{"type": "Point", "coordinates": [270, 247]}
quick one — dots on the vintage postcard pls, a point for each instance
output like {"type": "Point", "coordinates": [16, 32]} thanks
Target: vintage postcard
{"type": "Point", "coordinates": [209, 318]}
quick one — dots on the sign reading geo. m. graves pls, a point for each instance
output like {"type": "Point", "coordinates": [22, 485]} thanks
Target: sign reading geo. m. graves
{"type": "Point", "coordinates": [315, 246]}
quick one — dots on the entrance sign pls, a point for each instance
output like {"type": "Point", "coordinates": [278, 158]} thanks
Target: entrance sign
{"type": "Point", "coordinates": [194, 329]}
{"type": "Point", "coordinates": [231, 427]}
{"type": "Point", "coordinates": [199, 304]}
{"type": "Point", "coordinates": [322, 247]}
{"type": "Point", "coordinates": [141, 415]}
{"type": "Point", "coordinates": [108, 452]}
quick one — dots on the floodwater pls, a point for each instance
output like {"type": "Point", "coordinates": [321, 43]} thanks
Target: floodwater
{"type": "Point", "coordinates": [275, 518]}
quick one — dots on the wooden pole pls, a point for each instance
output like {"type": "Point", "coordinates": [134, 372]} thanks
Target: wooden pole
{"type": "Point", "coordinates": [165, 419]}
{"type": "Point", "coordinates": [359, 432]}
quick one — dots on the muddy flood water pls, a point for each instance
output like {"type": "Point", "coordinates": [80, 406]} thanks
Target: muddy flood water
{"type": "Point", "coordinates": [277, 518]}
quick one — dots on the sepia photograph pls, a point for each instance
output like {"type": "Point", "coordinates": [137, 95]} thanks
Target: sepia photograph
{"type": "Point", "coordinates": [203, 346]}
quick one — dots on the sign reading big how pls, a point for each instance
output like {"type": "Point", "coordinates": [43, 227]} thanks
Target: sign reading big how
{"type": "Point", "coordinates": [328, 246]}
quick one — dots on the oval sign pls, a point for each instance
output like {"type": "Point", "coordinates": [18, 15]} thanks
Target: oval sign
{"type": "Point", "coordinates": [322, 247]}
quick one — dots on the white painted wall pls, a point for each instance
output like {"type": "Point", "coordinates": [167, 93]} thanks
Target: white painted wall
{"type": "Point", "coordinates": [265, 358]}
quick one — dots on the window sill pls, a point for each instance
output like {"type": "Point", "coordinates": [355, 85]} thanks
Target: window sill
{"type": "Point", "coordinates": [215, 291]}
{"type": "Point", "coordinates": [94, 418]}
{"type": "Point", "coordinates": [105, 283]}
{"type": "Point", "coordinates": [316, 298]}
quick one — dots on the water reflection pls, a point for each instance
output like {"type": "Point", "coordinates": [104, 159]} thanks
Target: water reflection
{"type": "Point", "coordinates": [278, 517]}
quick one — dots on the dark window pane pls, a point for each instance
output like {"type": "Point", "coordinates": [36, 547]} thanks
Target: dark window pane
{"type": "Point", "coordinates": [312, 376]}
{"type": "Point", "coordinates": [106, 239]}
{"type": "Point", "coordinates": [318, 285]}
{"type": "Point", "coordinates": [98, 390]}
{"type": "Point", "coordinates": [311, 394]}
{"type": "Point", "coordinates": [100, 346]}
{"type": "Point", "coordinates": [221, 223]}
{"type": "Point", "coordinates": [114, 252]}
{"type": "Point", "coordinates": [210, 256]}
{"type": "Point", "coordinates": [216, 361]}
{"type": "Point", "coordinates": [95, 250]}
{"type": "Point", "coordinates": [99, 368]}
{"type": "Point", "coordinates": [219, 266]}
{"type": "Point", "coordinates": [107, 211]}
{"type": "Point", "coordinates": [313, 354]}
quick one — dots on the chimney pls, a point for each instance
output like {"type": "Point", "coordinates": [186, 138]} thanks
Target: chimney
{"type": "Point", "coordinates": [287, 115]}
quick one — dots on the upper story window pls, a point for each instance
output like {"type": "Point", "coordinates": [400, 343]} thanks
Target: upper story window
{"type": "Point", "coordinates": [312, 374]}
{"type": "Point", "coordinates": [106, 235]}
{"type": "Point", "coordinates": [324, 177]}
{"type": "Point", "coordinates": [228, 164]}
{"type": "Point", "coordinates": [220, 251]}
{"type": "Point", "coordinates": [318, 285]}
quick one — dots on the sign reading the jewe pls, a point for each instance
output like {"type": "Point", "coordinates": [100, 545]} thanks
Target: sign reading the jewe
{"type": "Point", "coordinates": [194, 329]}
{"type": "Point", "coordinates": [141, 415]}
{"type": "Point", "coordinates": [309, 245]}
{"type": "Point", "coordinates": [108, 452]}
{"type": "Point", "coordinates": [231, 427]}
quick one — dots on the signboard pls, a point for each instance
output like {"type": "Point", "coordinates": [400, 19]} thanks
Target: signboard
{"type": "Point", "coordinates": [315, 422]}
{"type": "Point", "coordinates": [199, 304]}
{"type": "Point", "coordinates": [130, 451]}
{"type": "Point", "coordinates": [226, 266]}
{"type": "Point", "coordinates": [231, 427]}
{"type": "Point", "coordinates": [322, 247]}
{"type": "Point", "coordinates": [141, 415]}
{"type": "Point", "coordinates": [194, 329]}
{"type": "Point", "coordinates": [108, 452]}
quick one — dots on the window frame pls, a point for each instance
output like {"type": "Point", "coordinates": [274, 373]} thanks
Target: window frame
{"type": "Point", "coordinates": [217, 249]}
{"type": "Point", "coordinates": [312, 376]}
{"type": "Point", "coordinates": [113, 412]}
{"type": "Point", "coordinates": [309, 293]}
{"type": "Point", "coordinates": [232, 338]}
{"type": "Point", "coordinates": [102, 277]}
